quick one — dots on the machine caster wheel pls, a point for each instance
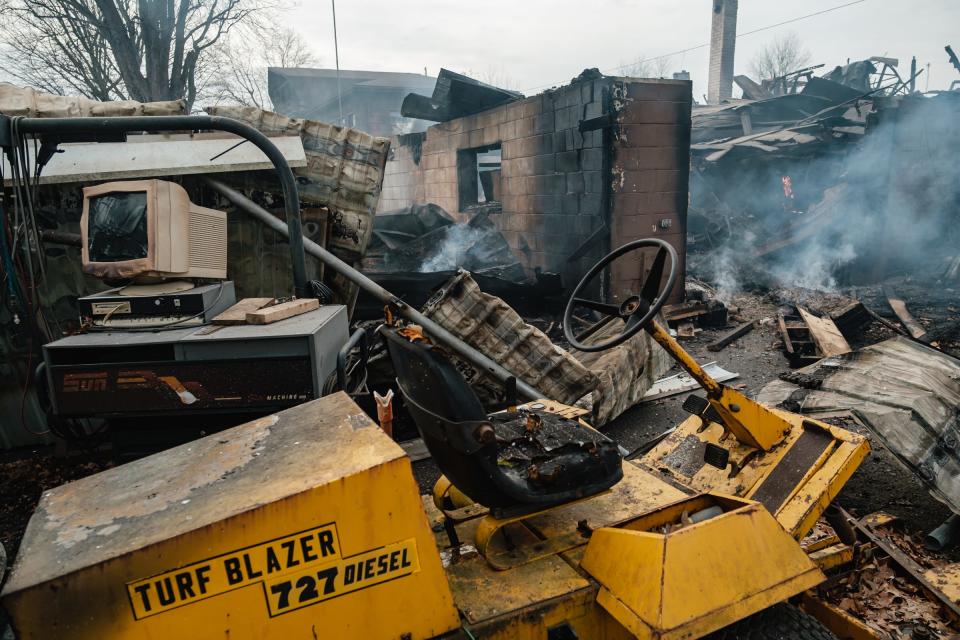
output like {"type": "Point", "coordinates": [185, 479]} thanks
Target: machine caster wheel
{"type": "Point", "coordinates": [780, 622]}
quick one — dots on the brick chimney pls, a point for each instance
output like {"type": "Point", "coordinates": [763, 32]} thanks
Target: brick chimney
{"type": "Point", "coordinates": [723, 40]}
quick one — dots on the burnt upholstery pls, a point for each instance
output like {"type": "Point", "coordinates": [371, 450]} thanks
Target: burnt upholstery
{"type": "Point", "coordinates": [509, 461]}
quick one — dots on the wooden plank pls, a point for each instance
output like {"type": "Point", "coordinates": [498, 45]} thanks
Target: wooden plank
{"type": "Point", "coordinates": [237, 314]}
{"type": "Point", "coordinates": [850, 318]}
{"type": "Point", "coordinates": [908, 321]}
{"type": "Point", "coordinates": [282, 311]}
{"type": "Point", "coordinates": [787, 342]}
{"type": "Point", "coordinates": [683, 310]}
{"type": "Point", "coordinates": [730, 336]}
{"type": "Point", "coordinates": [686, 329]}
{"type": "Point", "coordinates": [829, 340]}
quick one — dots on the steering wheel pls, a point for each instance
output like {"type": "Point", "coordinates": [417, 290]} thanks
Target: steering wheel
{"type": "Point", "coordinates": [637, 310]}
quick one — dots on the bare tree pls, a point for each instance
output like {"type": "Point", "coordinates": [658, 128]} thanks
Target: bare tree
{"type": "Point", "coordinates": [646, 67]}
{"type": "Point", "coordinates": [780, 57]}
{"type": "Point", "coordinates": [494, 76]}
{"type": "Point", "coordinates": [118, 49]}
{"type": "Point", "coordinates": [245, 57]}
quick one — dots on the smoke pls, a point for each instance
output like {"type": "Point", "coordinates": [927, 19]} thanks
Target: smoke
{"type": "Point", "coordinates": [459, 247]}
{"type": "Point", "coordinates": [886, 205]}
{"type": "Point", "coordinates": [815, 267]}
{"type": "Point", "coordinates": [725, 268]}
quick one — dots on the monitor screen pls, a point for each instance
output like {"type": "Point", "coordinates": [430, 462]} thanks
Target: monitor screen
{"type": "Point", "coordinates": [117, 227]}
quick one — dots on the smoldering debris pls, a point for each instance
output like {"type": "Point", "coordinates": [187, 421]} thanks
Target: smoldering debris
{"type": "Point", "coordinates": [863, 188]}
{"type": "Point", "coordinates": [416, 249]}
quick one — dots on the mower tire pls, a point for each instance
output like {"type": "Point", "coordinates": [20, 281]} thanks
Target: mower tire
{"type": "Point", "coordinates": [780, 622]}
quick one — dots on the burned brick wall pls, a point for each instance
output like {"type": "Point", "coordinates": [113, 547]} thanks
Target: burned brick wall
{"type": "Point", "coordinates": [560, 186]}
{"type": "Point", "coordinates": [403, 180]}
{"type": "Point", "coordinates": [651, 172]}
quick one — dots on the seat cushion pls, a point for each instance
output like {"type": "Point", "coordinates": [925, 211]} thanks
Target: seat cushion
{"type": "Point", "coordinates": [546, 454]}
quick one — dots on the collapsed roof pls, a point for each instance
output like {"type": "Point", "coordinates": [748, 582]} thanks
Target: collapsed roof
{"type": "Point", "coordinates": [455, 96]}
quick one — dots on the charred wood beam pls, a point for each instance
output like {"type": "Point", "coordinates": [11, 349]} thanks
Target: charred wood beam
{"type": "Point", "coordinates": [917, 332]}
{"type": "Point", "coordinates": [731, 336]}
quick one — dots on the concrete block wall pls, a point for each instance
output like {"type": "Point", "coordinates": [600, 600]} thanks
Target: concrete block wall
{"type": "Point", "coordinates": [551, 174]}
{"type": "Point", "coordinates": [403, 177]}
{"type": "Point", "coordinates": [558, 185]}
{"type": "Point", "coordinates": [650, 170]}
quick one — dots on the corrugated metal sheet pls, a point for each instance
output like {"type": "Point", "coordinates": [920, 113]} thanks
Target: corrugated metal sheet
{"type": "Point", "coordinates": [906, 394]}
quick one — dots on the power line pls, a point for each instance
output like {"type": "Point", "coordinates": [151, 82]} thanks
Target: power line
{"type": "Point", "coordinates": [707, 44]}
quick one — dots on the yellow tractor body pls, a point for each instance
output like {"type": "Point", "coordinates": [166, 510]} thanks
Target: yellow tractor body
{"type": "Point", "coordinates": [309, 523]}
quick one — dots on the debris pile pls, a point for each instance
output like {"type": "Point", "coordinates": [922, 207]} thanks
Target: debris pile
{"type": "Point", "coordinates": [846, 178]}
{"type": "Point", "coordinates": [889, 603]}
{"type": "Point", "coordinates": [895, 589]}
{"type": "Point", "coordinates": [415, 250]}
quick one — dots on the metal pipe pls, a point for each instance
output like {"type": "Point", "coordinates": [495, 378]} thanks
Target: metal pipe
{"type": "Point", "coordinates": [96, 127]}
{"type": "Point", "coordinates": [944, 536]}
{"type": "Point", "coordinates": [61, 237]}
{"type": "Point", "coordinates": [434, 330]}
{"type": "Point", "coordinates": [359, 337]}
{"type": "Point", "coordinates": [841, 526]}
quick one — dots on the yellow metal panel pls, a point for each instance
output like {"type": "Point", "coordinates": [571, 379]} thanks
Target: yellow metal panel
{"type": "Point", "coordinates": [807, 492]}
{"type": "Point", "coordinates": [276, 542]}
{"type": "Point", "coordinates": [483, 593]}
{"type": "Point", "coordinates": [753, 424]}
{"type": "Point", "coordinates": [946, 579]}
{"type": "Point", "coordinates": [684, 583]}
{"type": "Point", "coordinates": [579, 610]}
{"type": "Point", "coordinates": [640, 491]}
{"type": "Point", "coordinates": [833, 556]}
{"type": "Point", "coordinates": [630, 564]}
{"type": "Point", "coordinates": [800, 513]}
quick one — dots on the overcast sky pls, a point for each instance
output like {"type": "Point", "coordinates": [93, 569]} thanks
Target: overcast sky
{"type": "Point", "coordinates": [533, 44]}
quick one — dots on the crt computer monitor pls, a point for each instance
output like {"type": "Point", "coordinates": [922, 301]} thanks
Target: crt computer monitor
{"type": "Point", "coordinates": [148, 230]}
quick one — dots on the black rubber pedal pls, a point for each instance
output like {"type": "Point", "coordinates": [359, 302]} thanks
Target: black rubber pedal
{"type": "Point", "coordinates": [711, 415]}
{"type": "Point", "coordinates": [695, 405]}
{"type": "Point", "coordinates": [716, 456]}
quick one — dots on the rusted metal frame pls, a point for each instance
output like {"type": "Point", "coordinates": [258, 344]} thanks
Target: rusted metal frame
{"type": "Point", "coordinates": [512, 556]}
{"type": "Point", "coordinates": [434, 330]}
{"type": "Point", "coordinates": [905, 562]}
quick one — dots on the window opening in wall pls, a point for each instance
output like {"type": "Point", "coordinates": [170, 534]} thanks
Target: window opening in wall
{"type": "Point", "coordinates": [478, 175]}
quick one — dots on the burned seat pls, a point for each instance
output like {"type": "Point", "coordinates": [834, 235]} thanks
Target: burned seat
{"type": "Point", "coordinates": [512, 462]}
